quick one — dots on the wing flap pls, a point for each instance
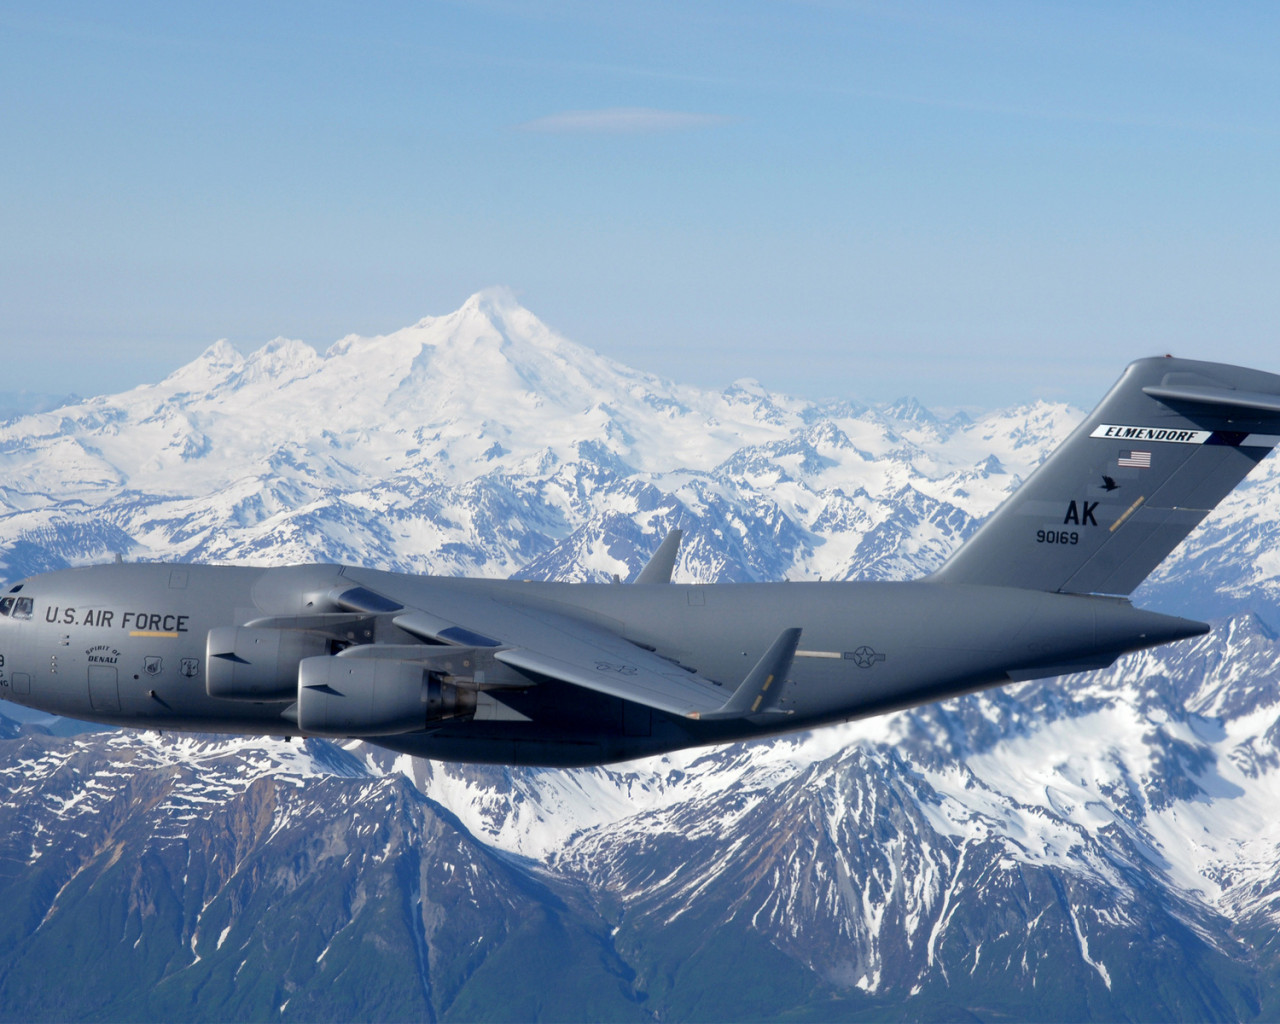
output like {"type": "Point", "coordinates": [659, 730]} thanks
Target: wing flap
{"type": "Point", "coordinates": [664, 691]}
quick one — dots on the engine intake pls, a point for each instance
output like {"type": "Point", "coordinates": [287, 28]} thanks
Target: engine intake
{"type": "Point", "coordinates": [375, 697]}
{"type": "Point", "coordinates": [246, 663]}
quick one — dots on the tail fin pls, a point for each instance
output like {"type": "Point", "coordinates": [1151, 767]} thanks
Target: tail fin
{"type": "Point", "coordinates": [1168, 442]}
{"type": "Point", "coordinates": [659, 567]}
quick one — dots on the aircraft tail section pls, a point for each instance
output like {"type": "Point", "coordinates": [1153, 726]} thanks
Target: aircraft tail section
{"type": "Point", "coordinates": [1167, 443]}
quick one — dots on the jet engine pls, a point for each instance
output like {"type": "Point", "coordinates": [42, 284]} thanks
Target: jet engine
{"type": "Point", "coordinates": [375, 696]}
{"type": "Point", "coordinates": [248, 663]}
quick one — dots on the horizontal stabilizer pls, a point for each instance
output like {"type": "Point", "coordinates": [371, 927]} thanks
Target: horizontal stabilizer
{"type": "Point", "coordinates": [758, 694]}
{"type": "Point", "coordinates": [1226, 399]}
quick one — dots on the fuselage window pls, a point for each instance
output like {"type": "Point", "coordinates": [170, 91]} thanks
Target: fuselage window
{"type": "Point", "coordinates": [23, 607]}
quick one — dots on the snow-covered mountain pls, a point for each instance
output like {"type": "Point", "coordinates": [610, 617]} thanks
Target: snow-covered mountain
{"type": "Point", "coordinates": [1099, 846]}
{"type": "Point", "coordinates": [1103, 846]}
{"type": "Point", "coordinates": [481, 442]}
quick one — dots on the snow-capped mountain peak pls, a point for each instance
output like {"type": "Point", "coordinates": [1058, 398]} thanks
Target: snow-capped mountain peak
{"type": "Point", "coordinates": [1044, 850]}
{"type": "Point", "coordinates": [483, 441]}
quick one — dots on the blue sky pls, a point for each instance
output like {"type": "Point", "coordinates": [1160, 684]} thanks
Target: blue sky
{"type": "Point", "coordinates": [974, 203]}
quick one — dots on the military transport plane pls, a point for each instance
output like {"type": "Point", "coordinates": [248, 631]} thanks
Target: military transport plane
{"type": "Point", "coordinates": [578, 673]}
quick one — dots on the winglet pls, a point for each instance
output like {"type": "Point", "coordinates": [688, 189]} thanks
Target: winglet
{"type": "Point", "coordinates": [663, 561]}
{"type": "Point", "coordinates": [759, 692]}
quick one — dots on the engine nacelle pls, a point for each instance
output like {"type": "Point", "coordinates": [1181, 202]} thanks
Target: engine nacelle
{"type": "Point", "coordinates": [375, 697]}
{"type": "Point", "coordinates": [244, 663]}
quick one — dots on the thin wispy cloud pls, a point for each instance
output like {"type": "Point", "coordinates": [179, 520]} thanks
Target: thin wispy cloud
{"type": "Point", "coordinates": [621, 121]}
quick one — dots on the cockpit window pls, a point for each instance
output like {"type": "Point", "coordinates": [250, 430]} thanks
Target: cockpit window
{"type": "Point", "coordinates": [6, 605]}
{"type": "Point", "coordinates": [22, 607]}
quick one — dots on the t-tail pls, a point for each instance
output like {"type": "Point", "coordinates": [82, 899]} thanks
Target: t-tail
{"type": "Point", "coordinates": [1168, 442]}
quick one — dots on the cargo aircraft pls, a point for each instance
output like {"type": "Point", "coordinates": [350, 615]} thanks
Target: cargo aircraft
{"type": "Point", "coordinates": [510, 672]}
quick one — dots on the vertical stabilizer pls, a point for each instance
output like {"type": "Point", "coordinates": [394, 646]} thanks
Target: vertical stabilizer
{"type": "Point", "coordinates": [1168, 442]}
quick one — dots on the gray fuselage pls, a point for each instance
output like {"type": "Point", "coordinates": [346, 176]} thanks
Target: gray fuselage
{"type": "Point", "coordinates": [128, 645]}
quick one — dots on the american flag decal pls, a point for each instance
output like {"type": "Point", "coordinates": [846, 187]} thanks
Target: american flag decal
{"type": "Point", "coordinates": [1135, 460]}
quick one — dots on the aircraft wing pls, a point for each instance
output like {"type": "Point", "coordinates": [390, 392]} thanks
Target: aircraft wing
{"type": "Point", "coordinates": [543, 641]}
{"type": "Point", "coordinates": [538, 640]}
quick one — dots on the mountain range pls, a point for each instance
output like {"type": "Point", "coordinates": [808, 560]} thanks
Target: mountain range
{"type": "Point", "coordinates": [1097, 846]}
